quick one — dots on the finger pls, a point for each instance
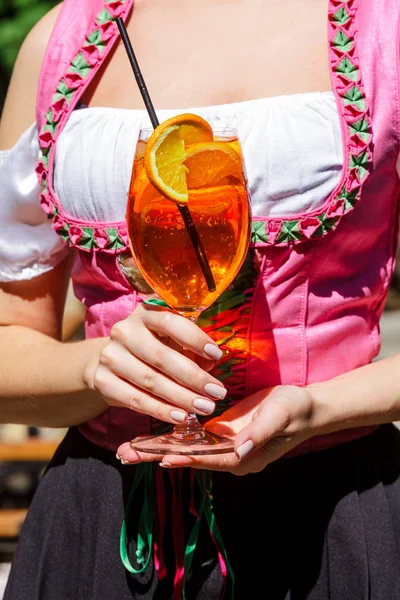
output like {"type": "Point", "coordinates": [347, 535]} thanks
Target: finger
{"type": "Point", "coordinates": [128, 455]}
{"type": "Point", "coordinates": [204, 363]}
{"type": "Point", "coordinates": [269, 421]}
{"type": "Point", "coordinates": [276, 448]}
{"type": "Point", "coordinates": [181, 330]}
{"type": "Point", "coordinates": [172, 344]}
{"type": "Point", "coordinates": [121, 449]}
{"type": "Point", "coordinates": [124, 364]}
{"type": "Point", "coordinates": [144, 345]}
{"type": "Point", "coordinates": [213, 462]}
{"type": "Point", "coordinates": [121, 393]}
{"type": "Point", "coordinates": [221, 462]}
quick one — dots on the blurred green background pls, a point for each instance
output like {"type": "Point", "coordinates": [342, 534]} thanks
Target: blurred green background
{"type": "Point", "coordinates": [17, 17]}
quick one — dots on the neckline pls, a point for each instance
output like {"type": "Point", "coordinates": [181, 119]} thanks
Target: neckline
{"type": "Point", "coordinates": [283, 99]}
{"type": "Point", "coordinates": [351, 103]}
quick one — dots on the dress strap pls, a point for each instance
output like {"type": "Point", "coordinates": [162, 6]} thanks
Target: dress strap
{"type": "Point", "coordinates": [83, 36]}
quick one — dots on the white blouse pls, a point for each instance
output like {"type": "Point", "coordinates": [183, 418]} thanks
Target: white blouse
{"type": "Point", "coordinates": [292, 147]}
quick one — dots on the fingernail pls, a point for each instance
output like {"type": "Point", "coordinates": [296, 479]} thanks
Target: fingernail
{"type": "Point", "coordinates": [124, 462]}
{"type": "Point", "coordinates": [213, 351]}
{"type": "Point", "coordinates": [216, 391]}
{"type": "Point", "coordinates": [206, 406]}
{"type": "Point", "coordinates": [165, 464]}
{"type": "Point", "coordinates": [118, 456]}
{"type": "Point", "coordinates": [178, 416]}
{"type": "Point", "coordinates": [244, 449]}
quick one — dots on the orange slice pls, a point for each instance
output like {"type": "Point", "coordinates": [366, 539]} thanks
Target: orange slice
{"type": "Point", "coordinates": [165, 153]}
{"type": "Point", "coordinates": [211, 164]}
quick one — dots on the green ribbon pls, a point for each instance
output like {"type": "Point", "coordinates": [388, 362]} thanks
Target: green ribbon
{"type": "Point", "coordinates": [145, 472]}
{"type": "Point", "coordinates": [206, 510]}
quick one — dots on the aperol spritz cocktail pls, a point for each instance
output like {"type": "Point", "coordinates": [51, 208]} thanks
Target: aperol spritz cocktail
{"type": "Point", "coordinates": [219, 205]}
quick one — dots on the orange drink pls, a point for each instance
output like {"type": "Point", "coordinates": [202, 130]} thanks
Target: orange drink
{"type": "Point", "coordinates": [218, 201]}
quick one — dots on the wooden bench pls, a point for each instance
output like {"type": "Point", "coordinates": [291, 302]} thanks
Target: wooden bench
{"type": "Point", "coordinates": [31, 450]}
{"type": "Point", "coordinates": [11, 522]}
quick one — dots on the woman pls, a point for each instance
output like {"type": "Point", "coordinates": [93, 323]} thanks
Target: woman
{"type": "Point", "coordinates": [320, 136]}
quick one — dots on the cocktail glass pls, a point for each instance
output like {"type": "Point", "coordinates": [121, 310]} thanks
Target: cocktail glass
{"type": "Point", "coordinates": [165, 256]}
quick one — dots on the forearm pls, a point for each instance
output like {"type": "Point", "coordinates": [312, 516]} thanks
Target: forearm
{"type": "Point", "coordinates": [44, 382]}
{"type": "Point", "coordinates": [366, 396]}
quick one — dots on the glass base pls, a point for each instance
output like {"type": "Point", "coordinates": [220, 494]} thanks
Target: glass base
{"type": "Point", "coordinates": [170, 444]}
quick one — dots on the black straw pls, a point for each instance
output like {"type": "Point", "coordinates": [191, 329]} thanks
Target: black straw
{"type": "Point", "coordinates": [183, 208]}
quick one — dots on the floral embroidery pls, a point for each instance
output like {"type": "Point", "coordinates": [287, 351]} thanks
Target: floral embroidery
{"type": "Point", "coordinates": [272, 231]}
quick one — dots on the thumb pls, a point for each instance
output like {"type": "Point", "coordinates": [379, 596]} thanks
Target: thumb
{"type": "Point", "coordinates": [269, 420]}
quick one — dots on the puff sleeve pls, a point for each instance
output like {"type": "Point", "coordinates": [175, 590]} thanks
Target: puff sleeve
{"type": "Point", "coordinates": [28, 244]}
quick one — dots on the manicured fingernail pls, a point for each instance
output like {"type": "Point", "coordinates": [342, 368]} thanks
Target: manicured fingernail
{"type": "Point", "coordinates": [165, 464]}
{"type": "Point", "coordinates": [205, 406]}
{"type": "Point", "coordinates": [178, 416]}
{"type": "Point", "coordinates": [216, 391]}
{"type": "Point", "coordinates": [118, 456]}
{"type": "Point", "coordinates": [213, 351]}
{"type": "Point", "coordinates": [244, 449]}
{"type": "Point", "coordinates": [124, 462]}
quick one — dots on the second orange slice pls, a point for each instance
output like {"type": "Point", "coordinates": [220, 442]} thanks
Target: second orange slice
{"type": "Point", "coordinates": [165, 154]}
{"type": "Point", "coordinates": [211, 164]}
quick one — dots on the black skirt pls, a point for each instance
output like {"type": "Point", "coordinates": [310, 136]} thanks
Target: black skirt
{"type": "Point", "coordinates": [322, 526]}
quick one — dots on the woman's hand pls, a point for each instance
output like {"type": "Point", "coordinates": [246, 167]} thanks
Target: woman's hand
{"type": "Point", "coordinates": [143, 367]}
{"type": "Point", "coordinates": [266, 425]}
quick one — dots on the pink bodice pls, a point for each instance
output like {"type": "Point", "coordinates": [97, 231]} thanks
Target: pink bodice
{"type": "Point", "coordinates": [311, 292]}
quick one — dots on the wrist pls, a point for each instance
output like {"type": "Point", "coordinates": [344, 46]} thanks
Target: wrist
{"type": "Point", "coordinates": [325, 418]}
{"type": "Point", "coordinates": [339, 404]}
{"type": "Point", "coordinates": [91, 354]}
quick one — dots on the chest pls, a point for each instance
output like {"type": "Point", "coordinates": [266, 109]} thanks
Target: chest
{"type": "Point", "coordinates": [217, 52]}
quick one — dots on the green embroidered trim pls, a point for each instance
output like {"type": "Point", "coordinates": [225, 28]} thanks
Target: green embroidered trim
{"type": "Point", "coordinates": [341, 16]}
{"type": "Point", "coordinates": [342, 42]}
{"type": "Point", "coordinates": [87, 240]}
{"type": "Point", "coordinates": [85, 237]}
{"type": "Point", "coordinates": [63, 91]}
{"type": "Point", "coordinates": [279, 231]}
{"type": "Point", "coordinates": [350, 199]}
{"type": "Point", "coordinates": [346, 67]}
{"type": "Point", "coordinates": [115, 243]}
{"type": "Point", "coordinates": [360, 162]}
{"type": "Point", "coordinates": [95, 38]}
{"type": "Point", "coordinates": [327, 224]}
{"type": "Point", "coordinates": [290, 231]}
{"type": "Point", "coordinates": [258, 233]}
{"type": "Point", "coordinates": [79, 65]}
{"type": "Point", "coordinates": [104, 16]}
{"type": "Point", "coordinates": [64, 231]}
{"type": "Point", "coordinates": [355, 97]}
{"type": "Point", "coordinates": [50, 124]}
{"type": "Point", "coordinates": [44, 158]}
{"type": "Point", "coordinates": [361, 128]}
{"type": "Point", "coordinates": [347, 81]}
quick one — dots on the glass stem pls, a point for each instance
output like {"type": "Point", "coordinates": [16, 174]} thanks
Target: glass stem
{"type": "Point", "coordinates": [191, 429]}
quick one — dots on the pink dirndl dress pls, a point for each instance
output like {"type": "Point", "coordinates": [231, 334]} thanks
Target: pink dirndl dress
{"type": "Point", "coordinates": [322, 523]}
